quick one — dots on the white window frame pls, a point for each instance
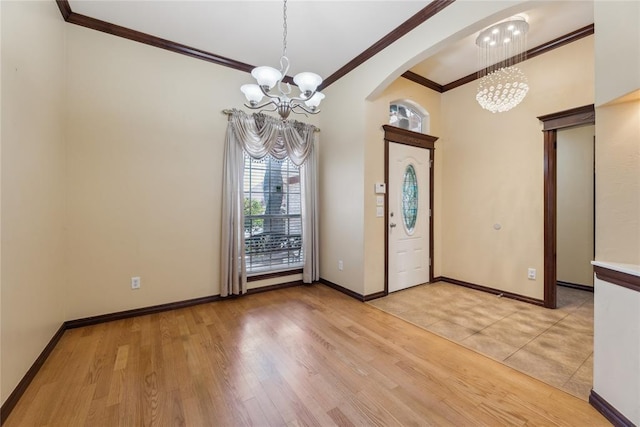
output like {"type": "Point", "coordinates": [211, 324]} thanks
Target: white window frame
{"type": "Point", "coordinates": [416, 109]}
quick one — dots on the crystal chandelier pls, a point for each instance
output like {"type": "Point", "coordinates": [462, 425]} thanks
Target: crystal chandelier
{"type": "Point", "coordinates": [268, 78]}
{"type": "Point", "coordinates": [501, 84]}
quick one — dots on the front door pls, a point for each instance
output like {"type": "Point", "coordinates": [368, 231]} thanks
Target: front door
{"type": "Point", "coordinates": [409, 212]}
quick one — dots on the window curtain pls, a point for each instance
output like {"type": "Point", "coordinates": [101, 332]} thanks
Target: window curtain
{"type": "Point", "coordinates": [258, 136]}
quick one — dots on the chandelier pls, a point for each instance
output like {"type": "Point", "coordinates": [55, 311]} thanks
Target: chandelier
{"type": "Point", "coordinates": [501, 84]}
{"type": "Point", "coordinates": [268, 78]}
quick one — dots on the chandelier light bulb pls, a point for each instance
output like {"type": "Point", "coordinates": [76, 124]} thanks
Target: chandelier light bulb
{"type": "Point", "coordinates": [314, 101]}
{"type": "Point", "coordinates": [307, 83]}
{"type": "Point", "coordinates": [266, 76]}
{"type": "Point", "coordinates": [502, 90]}
{"type": "Point", "coordinates": [253, 93]}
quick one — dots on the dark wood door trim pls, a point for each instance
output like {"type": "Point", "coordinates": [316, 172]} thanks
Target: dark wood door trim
{"type": "Point", "coordinates": [414, 139]}
{"type": "Point", "coordinates": [551, 124]}
{"type": "Point", "coordinates": [550, 208]}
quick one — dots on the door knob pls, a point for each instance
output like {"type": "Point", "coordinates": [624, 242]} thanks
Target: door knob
{"type": "Point", "coordinates": [391, 225]}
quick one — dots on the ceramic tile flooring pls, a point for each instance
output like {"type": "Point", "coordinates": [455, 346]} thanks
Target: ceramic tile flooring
{"type": "Point", "coordinates": [555, 346]}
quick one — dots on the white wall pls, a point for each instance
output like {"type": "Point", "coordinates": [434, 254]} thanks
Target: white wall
{"type": "Point", "coordinates": [616, 352]}
{"type": "Point", "coordinates": [33, 184]}
{"type": "Point", "coordinates": [575, 201]}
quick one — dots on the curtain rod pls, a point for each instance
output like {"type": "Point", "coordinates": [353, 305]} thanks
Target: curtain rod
{"type": "Point", "coordinates": [229, 112]}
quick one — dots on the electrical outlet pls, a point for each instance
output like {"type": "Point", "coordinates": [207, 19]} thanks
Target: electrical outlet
{"type": "Point", "coordinates": [135, 283]}
{"type": "Point", "coordinates": [340, 265]}
{"type": "Point", "coordinates": [531, 274]}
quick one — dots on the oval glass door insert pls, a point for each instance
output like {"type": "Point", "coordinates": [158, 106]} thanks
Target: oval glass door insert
{"type": "Point", "coordinates": [410, 198]}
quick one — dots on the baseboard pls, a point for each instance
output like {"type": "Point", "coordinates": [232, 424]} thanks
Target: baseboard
{"type": "Point", "coordinates": [275, 287]}
{"type": "Point", "coordinates": [95, 320]}
{"type": "Point", "coordinates": [608, 411]}
{"type": "Point", "coordinates": [17, 393]}
{"type": "Point", "coordinates": [491, 290]}
{"type": "Point", "coordinates": [380, 294]}
{"type": "Point", "coordinates": [342, 289]}
{"type": "Point", "coordinates": [575, 286]}
{"type": "Point", "coordinates": [375, 296]}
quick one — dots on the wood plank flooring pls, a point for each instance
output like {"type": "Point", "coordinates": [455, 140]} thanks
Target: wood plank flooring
{"type": "Point", "coordinates": [299, 356]}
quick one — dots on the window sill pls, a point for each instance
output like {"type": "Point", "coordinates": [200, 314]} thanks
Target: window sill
{"type": "Point", "coordinates": [269, 275]}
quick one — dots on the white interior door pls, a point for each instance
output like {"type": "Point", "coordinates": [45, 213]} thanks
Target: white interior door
{"type": "Point", "coordinates": [409, 212]}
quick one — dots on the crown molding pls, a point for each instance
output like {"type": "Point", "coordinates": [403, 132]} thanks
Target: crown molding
{"type": "Point", "coordinates": [531, 53]}
{"type": "Point", "coordinates": [421, 16]}
{"type": "Point", "coordinates": [106, 27]}
{"type": "Point", "coordinates": [127, 33]}
{"type": "Point", "coordinates": [417, 78]}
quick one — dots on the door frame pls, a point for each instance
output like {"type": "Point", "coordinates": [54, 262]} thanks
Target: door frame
{"type": "Point", "coordinates": [415, 139]}
{"type": "Point", "coordinates": [551, 123]}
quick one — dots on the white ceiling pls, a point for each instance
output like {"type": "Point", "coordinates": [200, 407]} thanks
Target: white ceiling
{"type": "Point", "coordinates": [323, 35]}
{"type": "Point", "coordinates": [547, 20]}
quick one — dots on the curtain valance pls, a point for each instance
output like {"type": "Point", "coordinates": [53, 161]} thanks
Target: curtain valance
{"type": "Point", "coordinates": [261, 135]}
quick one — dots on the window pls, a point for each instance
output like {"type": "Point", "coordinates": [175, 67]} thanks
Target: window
{"type": "Point", "coordinates": [405, 115]}
{"type": "Point", "coordinates": [409, 199]}
{"type": "Point", "coordinates": [272, 209]}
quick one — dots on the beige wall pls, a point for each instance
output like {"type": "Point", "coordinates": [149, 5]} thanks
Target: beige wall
{"type": "Point", "coordinates": [33, 178]}
{"type": "Point", "coordinates": [350, 158]}
{"type": "Point", "coordinates": [575, 227]}
{"type": "Point", "coordinates": [146, 140]}
{"type": "Point", "coordinates": [618, 48]}
{"type": "Point", "coordinates": [492, 173]}
{"type": "Point", "coordinates": [341, 175]}
{"type": "Point", "coordinates": [618, 182]}
{"type": "Point", "coordinates": [145, 150]}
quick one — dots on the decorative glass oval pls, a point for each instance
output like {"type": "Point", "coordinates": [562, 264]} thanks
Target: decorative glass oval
{"type": "Point", "coordinates": [410, 198]}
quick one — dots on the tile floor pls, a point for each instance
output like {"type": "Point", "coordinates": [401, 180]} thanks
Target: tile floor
{"type": "Point", "coordinates": [555, 346]}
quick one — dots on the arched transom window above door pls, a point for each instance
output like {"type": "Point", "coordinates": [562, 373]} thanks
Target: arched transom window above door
{"type": "Point", "coordinates": [408, 115]}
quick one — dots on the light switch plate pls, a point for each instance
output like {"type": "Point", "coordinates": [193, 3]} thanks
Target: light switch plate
{"type": "Point", "coordinates": [379, 211]}
{"type": "Point", "coordinates": [379, 200]}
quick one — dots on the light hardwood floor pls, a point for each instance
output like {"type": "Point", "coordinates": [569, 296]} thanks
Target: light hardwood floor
{"type": "Point", "coordinates": [297, 356]}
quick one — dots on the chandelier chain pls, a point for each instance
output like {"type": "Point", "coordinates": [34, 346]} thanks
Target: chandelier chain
{"type": "Point", "coordinates": [284, 29]}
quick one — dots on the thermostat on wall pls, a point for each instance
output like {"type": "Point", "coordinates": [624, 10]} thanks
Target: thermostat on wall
{"type": "Point", "coordinates": [381, 188]}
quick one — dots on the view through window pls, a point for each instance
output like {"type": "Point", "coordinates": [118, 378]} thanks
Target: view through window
{"type": "Point", "coordinates": [405, 117]}
{"type": "Point", "coordinates": [272, 215]}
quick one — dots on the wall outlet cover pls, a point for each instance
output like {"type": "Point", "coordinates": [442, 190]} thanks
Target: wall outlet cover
{"type": "Point", "coordinates": [135, 283]}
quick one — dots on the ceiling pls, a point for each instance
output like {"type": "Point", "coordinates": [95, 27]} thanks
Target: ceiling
{"type": "Point", "coordinates": [323, 35]}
